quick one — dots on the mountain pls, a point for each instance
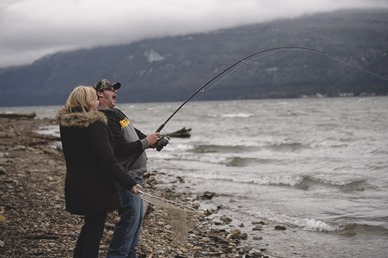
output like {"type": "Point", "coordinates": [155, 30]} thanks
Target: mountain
{"type": "Point", "coordinates": [172, 68]}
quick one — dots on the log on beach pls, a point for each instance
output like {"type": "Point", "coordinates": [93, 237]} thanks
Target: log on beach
{"type": "Point", "coordinates": [182, 133]}
{"type": "Point", "coordinates": [18, 115]}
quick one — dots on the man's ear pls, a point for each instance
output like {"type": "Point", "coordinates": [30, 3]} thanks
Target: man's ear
{"type": "Point", "coordinates": [99, 94]}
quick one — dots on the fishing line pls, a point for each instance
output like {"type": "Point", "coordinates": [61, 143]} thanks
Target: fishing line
{"type": "Point", "coordinates": [251, 57]}
{"type": "Point", "coordinates": [205, 90]}
{"type": "Point", "coordinates": [354, 66]}
{"type": "Point", "coordinates": [257, 55]}
{"type": "Point", "coordinates": [180, 209]}
{"type": "Point", "coordinates": [216, 79]}
{"type": "Point", "coordinates": [244, 62]}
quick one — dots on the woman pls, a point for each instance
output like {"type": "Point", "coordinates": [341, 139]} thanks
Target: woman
{"type": "Point", "coordinates": [92, 171]}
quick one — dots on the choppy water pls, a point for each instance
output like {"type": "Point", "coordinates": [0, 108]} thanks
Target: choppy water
{"type": "Point", "coordinates": [319, 166]}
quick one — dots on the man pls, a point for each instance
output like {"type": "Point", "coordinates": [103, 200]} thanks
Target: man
{"type": "Point", "coordinates": [128, 143]}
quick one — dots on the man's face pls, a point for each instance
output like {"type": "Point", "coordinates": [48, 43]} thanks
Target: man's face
{"type": "Point", "coordinates": [107, 97]}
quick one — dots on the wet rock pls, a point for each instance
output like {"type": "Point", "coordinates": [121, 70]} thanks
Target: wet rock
{"type": "Point", "coordinates": [234, 234]}
{"type": "Point", "coordinates": [257, 228]}
{"type": "Point", "coordinates": [207, 195]}
{"type": "Point", "coordinates": [195, 205]}
{"type": "Point", "coordinates": [219, 207]}
{"type": "Point", "coordinates": [180, 179]}
{"type": "Point", "coordinates": [280, 227]}
{"type": "Point", "coordinates": [258, 223]}
{"type": "Point", "coordinates": [226, 219]}
{"type": "Point", "coordinates": [244, 236]}
{"type": "Point", "coordinates": [147, 174]}
{"type": "Point", "coordinates": [257, 238]}
{"type": "Point", "coordinates": [218, 239]}
{"type": "Point", "coordinates": [209, 212]}
{"type": "Point", "coordinates": [255, 253]}
{"type": "Point", "coordinates": [245, 249]}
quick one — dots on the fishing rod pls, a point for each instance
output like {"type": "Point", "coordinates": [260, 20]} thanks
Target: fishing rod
{"type": "Point", "coordinates": [244, 60]}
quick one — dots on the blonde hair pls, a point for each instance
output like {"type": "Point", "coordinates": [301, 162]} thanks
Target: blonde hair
{"type": "Point", "coordinates": [81, 98]}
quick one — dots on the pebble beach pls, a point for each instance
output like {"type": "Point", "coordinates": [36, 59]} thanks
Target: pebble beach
{"type": "Point", "coordinates": [34, 223]}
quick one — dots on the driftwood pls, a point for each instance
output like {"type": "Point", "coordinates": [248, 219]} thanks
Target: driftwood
{"type": "Point", "coordinates": [41, 236]}
{"type": "Point", "coordinates": [48, 235]}
{"type": "Point", "coordinates": [47, 137]}
{"type": "Point", "coordinates": [18, 115]}
{"type": "Point", "coordinates": [182, 133]}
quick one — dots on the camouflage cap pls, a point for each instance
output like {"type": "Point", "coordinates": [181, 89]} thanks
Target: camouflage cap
{"type": "Point", "coordinates": [104, 84]}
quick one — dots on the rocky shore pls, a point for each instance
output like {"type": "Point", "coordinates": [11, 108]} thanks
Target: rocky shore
{"type": "Point", "coordinates": [33, 222]}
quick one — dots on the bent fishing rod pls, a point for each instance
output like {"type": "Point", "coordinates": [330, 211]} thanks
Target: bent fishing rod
{"type": "Point", "coordinates": [251, 56]}
{"type": "Point", "coordinates": [244, 60]}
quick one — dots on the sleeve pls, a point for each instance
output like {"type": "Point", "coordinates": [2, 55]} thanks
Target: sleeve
{"type": "Point", "coordinates": [98, 138]}
{"type": "Point", "coordinates": [140, 134]}
{"type": "Point", "coordinates": [122, 148]}
{"type": "Point", "coordinates": [143, 140]}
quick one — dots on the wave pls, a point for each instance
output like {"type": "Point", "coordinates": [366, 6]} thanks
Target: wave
{"type": "Point", "coordinates": [265, 180]}
{"type": "Point", "coordinates": [352, 229]}
{"type": "Point", "coordinates": [379, 152]}
{"type": "Point", "coordinates": [212, 148]}
{"type": "Point", "coordinates": [292, 146]}
{"type": "Point", "coordinates": [277, 147]}
{"type": "Point", "coordinates": [378, 167]}
{"type": "Point", "coordinates": [311, 224]}
{"type": "Point", "coordinates": [237, 115]}
{"type": "Point", "coordinates": [346, 185]}
{"type": "Point", "coordinates": [242, 162]}
{"type": "Point", "coordinates": [306, 182]}
{"type": "Point", "coordinates": [299, 182]}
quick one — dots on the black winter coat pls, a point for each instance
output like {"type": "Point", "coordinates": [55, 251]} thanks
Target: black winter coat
{"type": "Point", "coordinates": [91, 167]}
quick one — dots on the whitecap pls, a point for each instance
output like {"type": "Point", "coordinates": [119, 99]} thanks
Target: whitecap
{"type": "Point", "coordinates": [309, 224]}
{"type": "Point", "coordinates": [237, 115]}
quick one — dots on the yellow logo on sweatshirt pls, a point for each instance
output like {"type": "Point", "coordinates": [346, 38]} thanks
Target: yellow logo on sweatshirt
{"type": "Point", "coordinates": [125, 122]}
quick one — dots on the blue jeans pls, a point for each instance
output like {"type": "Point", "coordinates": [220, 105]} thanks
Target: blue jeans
{"type": "Point", "coordinates": [127, 231]}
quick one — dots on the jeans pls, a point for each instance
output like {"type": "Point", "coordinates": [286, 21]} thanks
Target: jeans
{"type": "Point", "coordinates": [127, 231]}
{"type": "Point", "coordinates": [88, 243]}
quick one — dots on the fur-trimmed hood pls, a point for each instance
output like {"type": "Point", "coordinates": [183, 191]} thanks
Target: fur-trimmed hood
{"type": "Point", "coordinates": [79, 119]}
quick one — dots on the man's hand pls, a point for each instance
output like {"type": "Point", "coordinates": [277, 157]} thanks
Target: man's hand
{"type": "Point", "coordinates": [152, 139]}
{"type": "Point", "coordinates": [135, 188]}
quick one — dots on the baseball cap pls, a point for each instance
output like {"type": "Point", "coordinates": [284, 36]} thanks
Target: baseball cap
{"type": "Point", "coordinates": [104, 83]}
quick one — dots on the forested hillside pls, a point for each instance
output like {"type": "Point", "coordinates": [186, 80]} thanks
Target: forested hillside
{"type": "Point", "coordinates": [171, 68]}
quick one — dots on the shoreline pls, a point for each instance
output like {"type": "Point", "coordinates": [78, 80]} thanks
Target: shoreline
{"type": "Point", "coordinates": [34, 223]}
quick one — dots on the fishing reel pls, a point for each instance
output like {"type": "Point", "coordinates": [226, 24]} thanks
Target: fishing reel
{"type": "Point", "coordinates": [163, 141]}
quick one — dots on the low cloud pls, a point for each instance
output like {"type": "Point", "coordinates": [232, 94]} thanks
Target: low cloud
{"type": "Point", "coordinates": [30, 29]}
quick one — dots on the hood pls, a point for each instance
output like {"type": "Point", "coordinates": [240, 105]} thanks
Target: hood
{"type": "Point", "coordinates": [79, 119]}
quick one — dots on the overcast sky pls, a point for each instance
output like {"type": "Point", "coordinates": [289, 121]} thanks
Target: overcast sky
{"type": "Point", "coordinates": [30, 29]}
